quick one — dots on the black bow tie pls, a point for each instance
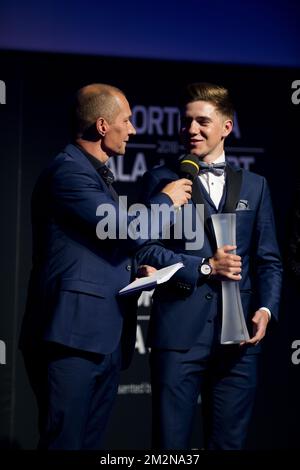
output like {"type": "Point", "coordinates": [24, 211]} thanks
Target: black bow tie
{"type": "Point", "coordinates": [106, 174]}
{"type": "Point", "coordinates": [215, 168]}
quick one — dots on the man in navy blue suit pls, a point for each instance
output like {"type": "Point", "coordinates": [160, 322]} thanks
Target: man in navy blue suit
{"type": "Point", "coordinates": [187, 358]}
{"type": "Point", "coordinates": [76, 331]}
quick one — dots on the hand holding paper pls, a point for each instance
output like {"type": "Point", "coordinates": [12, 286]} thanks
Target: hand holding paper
{"type": "Point", "coordinates": [146, 283]}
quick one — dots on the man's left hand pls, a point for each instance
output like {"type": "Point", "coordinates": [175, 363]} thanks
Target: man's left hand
{"type": "Point", "coordinates": [144, 270]}
{"type": "Point", "coordinates": [260, 322]}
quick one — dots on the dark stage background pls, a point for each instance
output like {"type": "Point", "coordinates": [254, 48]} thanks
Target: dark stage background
{"type": "Point", "coordinates": [35, 92]}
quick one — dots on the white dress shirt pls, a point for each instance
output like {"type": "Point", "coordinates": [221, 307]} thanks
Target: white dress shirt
{"type": "Point", "coordinates": [214, 184]}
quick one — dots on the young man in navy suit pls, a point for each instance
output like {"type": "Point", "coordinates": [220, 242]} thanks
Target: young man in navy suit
{"type": "Point", "coordinates": [184, 331]}
{"type": "Point", "coordinates": [76, 330]}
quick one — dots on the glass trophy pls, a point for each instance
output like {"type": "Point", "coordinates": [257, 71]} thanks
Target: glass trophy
{"type": "Point", "coordinates": [234, 329]}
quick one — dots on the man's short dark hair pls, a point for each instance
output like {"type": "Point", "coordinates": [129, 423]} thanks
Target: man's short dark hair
{"type": "Point", "coordinates": [215, 94]}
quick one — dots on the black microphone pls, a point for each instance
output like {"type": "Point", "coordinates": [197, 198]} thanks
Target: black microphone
{"type": "Point", "coordinates": [189, 167]}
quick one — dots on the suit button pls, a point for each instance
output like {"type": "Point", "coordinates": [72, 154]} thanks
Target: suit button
{"type": "Point", "coordinates": [209, 296]}
{"type": "Point", "coordinates": [128, 267]}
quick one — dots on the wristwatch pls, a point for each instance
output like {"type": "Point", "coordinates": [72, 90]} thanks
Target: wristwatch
{"type": "Point", "coordinates": [205, 268]}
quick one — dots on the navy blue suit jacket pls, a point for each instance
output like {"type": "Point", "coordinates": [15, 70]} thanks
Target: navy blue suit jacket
{"type": "Point", "coordinates": [75, 278]}
{"type": "Point", "coordinates": [182, 306]}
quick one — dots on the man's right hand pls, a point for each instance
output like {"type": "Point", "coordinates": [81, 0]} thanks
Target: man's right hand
{"type": "Point", "coordinates": [225, 264]}
{"type": "Point", "coordinates": [180, 191]}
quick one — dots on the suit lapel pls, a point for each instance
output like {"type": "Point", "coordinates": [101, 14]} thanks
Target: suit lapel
{"type": "Point", "coordinates": [75, 152]}
{"type": "Point", "coordinates": [198, 198]}
{"type": "Point", "coordinates": [233, 188]}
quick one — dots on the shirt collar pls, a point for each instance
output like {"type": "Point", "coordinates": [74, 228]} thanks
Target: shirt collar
{"type": "Point", "coordinates": [220, 159]}
{"type": "Point", "coordinates": [93, 160]}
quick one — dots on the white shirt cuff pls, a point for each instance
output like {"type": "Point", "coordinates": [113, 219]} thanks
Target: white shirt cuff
{"type": "Point", "coordinates": [266, 310]}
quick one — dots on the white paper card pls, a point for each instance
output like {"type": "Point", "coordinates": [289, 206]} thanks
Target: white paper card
{"type": "Point", "coordinates": [159, 277]}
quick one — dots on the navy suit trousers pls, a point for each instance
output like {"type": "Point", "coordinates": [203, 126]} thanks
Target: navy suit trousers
{"type": "Point", "coordinates": [74, 380]}
{"type": "Point", "coordinates": [224, 376]}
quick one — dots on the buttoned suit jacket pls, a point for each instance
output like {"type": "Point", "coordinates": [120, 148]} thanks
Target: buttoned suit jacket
{"type": "Point", "coordinates": [182, 306]}
{"type": "Point", "coordinates": [75, 279]}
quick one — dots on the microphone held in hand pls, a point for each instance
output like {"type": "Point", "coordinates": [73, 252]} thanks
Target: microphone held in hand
{"type": "Point", "coordinates": [189, 167]}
